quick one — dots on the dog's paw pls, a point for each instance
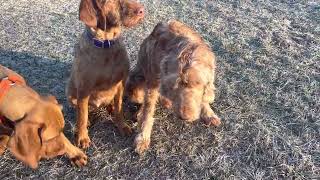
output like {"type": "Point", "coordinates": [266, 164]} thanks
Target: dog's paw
{"type": "Point", "coordinates": [141, 144]}
{"type": "Point", "coordinates": [82, 140]}
{"type": "Point", "coordinates": [79, 159]}
{"type": "Point", "coordinates": [125, 130]}
{"type": "Point", "coordinates": [166, 103]}
{"type": "Point", "coordinates": [212, 121]}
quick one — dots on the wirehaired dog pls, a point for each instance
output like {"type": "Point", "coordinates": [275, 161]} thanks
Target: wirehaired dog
{"type": "Point", "coordinates": [177, 65]}
{"type": "Point", "coordinates": [101, 63]}
{"type": "Point", "coordinates": [31, 126]}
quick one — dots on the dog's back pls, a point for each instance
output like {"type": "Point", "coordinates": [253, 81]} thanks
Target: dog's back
{"type": "Point", "coordinates": [173, 39]}
{"type": "Point", "coordinates": [19, 98]}
{"type": "Point", "coordinates": [175, 31]}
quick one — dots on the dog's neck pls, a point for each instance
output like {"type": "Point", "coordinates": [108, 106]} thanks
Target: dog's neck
{"type": "Point", "coordinates": [112, 34]}
{"type": "Point", "coordinates": [102, 39]}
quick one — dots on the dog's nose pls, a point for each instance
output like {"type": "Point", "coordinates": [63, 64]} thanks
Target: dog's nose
{"type": "Point", "coordinates": [140, 11]}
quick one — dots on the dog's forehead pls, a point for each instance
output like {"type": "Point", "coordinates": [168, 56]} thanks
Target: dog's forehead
{"type": "Point", "coordinates": [108, 4]}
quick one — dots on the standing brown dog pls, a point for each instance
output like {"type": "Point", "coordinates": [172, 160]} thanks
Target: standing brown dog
{"type": "Point", "coordinates": [101, 63]}
{"type": "Point", "coordinates": [177, 64]}
{"type": "Point", "coordinates": [31, 126]}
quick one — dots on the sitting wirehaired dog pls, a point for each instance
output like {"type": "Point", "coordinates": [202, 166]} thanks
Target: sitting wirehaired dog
{"type": "Point", "coordinates": [31, 126]}
{"type": "Point", "coordinates": [175, 64]}
{"type": "Point", "coordinates": [101, 63]}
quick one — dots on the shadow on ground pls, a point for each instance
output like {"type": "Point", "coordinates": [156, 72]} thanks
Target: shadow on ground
{"type": "Point", "coordinates": [49, 76]}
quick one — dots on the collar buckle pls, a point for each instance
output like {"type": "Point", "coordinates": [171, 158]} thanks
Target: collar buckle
{"type": "Point", "coordinates": [7, 78]}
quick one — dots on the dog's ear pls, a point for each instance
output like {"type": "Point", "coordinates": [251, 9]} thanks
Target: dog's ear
{"type": "Point", "coordinates": [43, 124]}
{"type": "Point", "coordinates": [53, 121]}
{"type": "Point", "coordinates": [25, 143]}
{"type": "Point", "coordinates": [87, 13]}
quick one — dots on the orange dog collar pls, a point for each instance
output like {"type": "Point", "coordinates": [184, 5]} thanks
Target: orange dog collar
{"type": "Point", "coordinates": [6, 83]}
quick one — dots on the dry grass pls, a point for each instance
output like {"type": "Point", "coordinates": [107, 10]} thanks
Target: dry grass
{"type": "Point", "coordinates": [268, 91]}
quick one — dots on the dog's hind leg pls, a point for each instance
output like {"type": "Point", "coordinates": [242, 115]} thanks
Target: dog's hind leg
{"type": "Point", "coordinates": [118, 111]}
{"type": "Point", "coordinates": [135, 85]}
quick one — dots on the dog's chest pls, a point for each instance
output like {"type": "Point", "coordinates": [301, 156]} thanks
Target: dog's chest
{"type": "Point", "coordinates": [104, 65]}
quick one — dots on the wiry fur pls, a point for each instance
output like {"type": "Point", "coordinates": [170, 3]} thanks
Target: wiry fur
{"type": "Point", "coordinates": [174, 62]}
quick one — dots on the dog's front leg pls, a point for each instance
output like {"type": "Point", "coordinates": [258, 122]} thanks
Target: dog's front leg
{"type": "Point", "coordinates": [208, 115]}
{"type": "Point", "coordinates": [76, 156]}
{"type": "Point", "coordinates": [82, 137]}
{"type": "Point", "coordinates": [142, 140]}
{"type": "Point", "coordinates": [60, 145]}
{"type": "Point", "coordinates": [118, 107]}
